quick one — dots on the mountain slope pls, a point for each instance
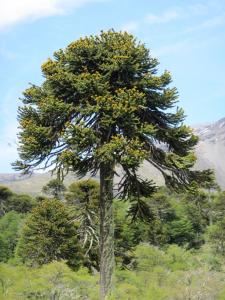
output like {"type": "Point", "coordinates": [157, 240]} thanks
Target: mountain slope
{"type": "Point", "coordinates": [211, 149]}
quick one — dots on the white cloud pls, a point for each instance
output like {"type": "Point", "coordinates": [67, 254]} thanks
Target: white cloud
{"type": "Point", "coordinates": [173, 48]}
{"type": "Point", "coordinates": [130, 26]}
{"type": "Point", "coordinates": [199, 9]}
{"type": "Point", "coordinates": [185, 45]}
{"type": "Point", "coordinates": [14, 11]}
{"type": "Point", "coordinates": [208, 24]}
{"type": "Point", "coordinates": [9, 129]}
{"type": "Point", "coordinates": [165, 17]}
{"type": "Point", "coordinates": [186, 11]}
{"type": "Point", "coordinates": [8, 149]}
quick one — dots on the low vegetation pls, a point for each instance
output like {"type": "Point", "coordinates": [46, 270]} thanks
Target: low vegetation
{"type": "Point", "coordinates": [171, 273]}
{"type": "Point", "coordinates": [50, 251]}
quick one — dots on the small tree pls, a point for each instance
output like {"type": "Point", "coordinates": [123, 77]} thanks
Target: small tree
{"type": "Point", "coordinates": [101, 105]}
{"type": "Point", "coordinates": [50, 234]}
{"type": "Point", "coordinates": [5, 194]}
{"type": "Point", "coordinates": [10, 225]}
{"type": "Point", "coordinates": [219, 206]}
{"type": "Point", "coordinates": [216, 236]}
{"type": "Point", "coordinates": [83, 195]}
{"type": "Point", "coordinates": [54, 188]}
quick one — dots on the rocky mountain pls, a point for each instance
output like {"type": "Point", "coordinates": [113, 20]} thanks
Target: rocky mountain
{"type": "Point", "coordinates": [211, 149]}
{"type": "Point", "coordinates": [210, 152]}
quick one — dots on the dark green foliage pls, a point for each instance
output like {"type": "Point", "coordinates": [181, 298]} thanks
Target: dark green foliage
{"type": "Point", "coordinates": [49, 234]}
{"type": "Point", "coordinates": [218, 206]}
{"type": "Point", "coordinates": [209, 182]}
{"type": "Point", "coordinates": [139, 210]}
{"type": "Point", "coordinates": [157, 232]}
{"type": "Point", "coordinates": [54, 188]}
{"type": "Point", "coordinates": [5, 194]}
{"type": "Point", "coordinates": [180, 218]}
{"type": "Point", "coordinates": [196, 209]}
{"type": "Point", "coordinates": [181, 231]}
{"type": "Point", "coordinates": [169, 222]}
{"type": "Point", "coordinates": [20, 203]}
{"type": "Point", "coordinates": [3, 250]}
{"type": "Point", "coordinates": [10, 201]}
{"type": "Point", "coordinates": [84, 192]}
{"type": "Point", "coordinates": [40, 198]}
{"type": "Point", "coordinates": [10, 225]}
{"type": "Point", "coordinates": [127, 234]}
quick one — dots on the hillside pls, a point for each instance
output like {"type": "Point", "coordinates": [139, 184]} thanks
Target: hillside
{"type": "Point", "coordinates": [30, 184]}
{"type": "Point", "coordinates": [210, 152]}
{"type": "Point", "coordinates": [211, 149]}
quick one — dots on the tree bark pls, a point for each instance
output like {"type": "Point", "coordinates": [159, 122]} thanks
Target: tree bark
{"type": "Point", "coordinates": [106, 230]}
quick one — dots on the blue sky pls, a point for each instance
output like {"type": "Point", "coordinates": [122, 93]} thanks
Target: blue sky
{"type": "Point", "coordinates": [188, 38]}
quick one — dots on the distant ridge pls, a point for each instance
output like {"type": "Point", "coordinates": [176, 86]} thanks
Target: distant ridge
{"type": "Point", "coordinates": [29, 184]}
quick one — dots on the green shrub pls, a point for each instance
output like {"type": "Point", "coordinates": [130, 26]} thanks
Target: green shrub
{"type": "Point", "coordinates": [49, 234]}
{"type": "Point", "coordinates": [10, 225]}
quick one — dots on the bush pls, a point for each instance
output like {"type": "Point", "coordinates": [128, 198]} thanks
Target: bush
{"type": "Point", "coordinates": [51, 281]}
{"type": "Point", "coordinates": [10, 225]}
{"type": "Point", "coordinates": [49, 234]}
{"type": "Point", "coordinates": [5, 194]}
{"type": "Point", "coordinates": [216, 236]}
{"type": "Point", "coordinates": [20, 203]}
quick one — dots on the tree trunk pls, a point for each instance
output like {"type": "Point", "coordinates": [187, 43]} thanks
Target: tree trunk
{"type": "Point", "coordinates": [106, 230]}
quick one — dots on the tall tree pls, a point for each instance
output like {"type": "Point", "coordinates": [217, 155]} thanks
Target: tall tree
{"type": "Point", "coordinates": [102, 104]}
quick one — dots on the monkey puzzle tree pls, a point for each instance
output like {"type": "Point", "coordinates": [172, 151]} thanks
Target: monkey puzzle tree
{"type": "Point", "coordinates": [101, 105]}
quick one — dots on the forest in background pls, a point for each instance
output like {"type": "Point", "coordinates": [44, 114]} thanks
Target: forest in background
{"type": "Point", "coordinates": [49, 245]}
